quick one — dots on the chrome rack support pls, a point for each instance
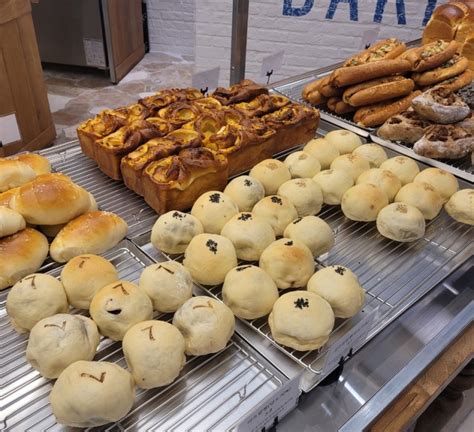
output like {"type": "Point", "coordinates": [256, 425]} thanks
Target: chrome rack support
{"type": "Point", "coordinates": [238, 51]}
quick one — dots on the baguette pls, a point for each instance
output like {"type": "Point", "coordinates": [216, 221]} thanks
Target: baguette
{"type": "Point", "coordinates": [316, 98]}
{"type": "Point", "coordinates": [386, 49]}
{"type": "Point", "coordinates": [338, 106]}
{"type": "Point", "coordinates": [431, 55]}
{"type": "Point", "coordinates": [377, 90]}
{"type": "Point", "coordinates": [312, 87]}
{"type": "Point", "coordinates": [327, 89]}
{"type": "Point", "coordinates": [458, 82]}
{"type": "Point", "coordinates": [453, 67]}
{"type": "Point", "coordinates": [377, 114]}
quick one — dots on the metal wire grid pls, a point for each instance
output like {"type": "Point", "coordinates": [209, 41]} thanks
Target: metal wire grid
{"type": "Point", "coordinates": [211, 392]}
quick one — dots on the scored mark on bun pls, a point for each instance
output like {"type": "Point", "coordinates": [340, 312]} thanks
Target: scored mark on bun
{"type": "Point", "coordinates": [150, 332]}
{"type": "Point", "coordinates": [84, 259]}
{"type": "Point", "coordinates": [239, 269]}
{"type": "Point", "coordinates": [164, 268]}
{"type": "Point", "coordinates": [297, 220]}
{"type": "Point", "coordinates": [301, 303]}
{"type": "Point", "coordinates": [120, 285]}
{"type": "Point", "coordinates": [401, 208]}
{"type": "Point", "coordinates": [32, 279]}
{"type": "Point", "coordinates": [212, 246]}
{"type": "Point", "coordinates": [208, 305]}
{"type": "Point", "coordinates": [62, 326]}
{"type": "Point", "coordinates": [88, 375]}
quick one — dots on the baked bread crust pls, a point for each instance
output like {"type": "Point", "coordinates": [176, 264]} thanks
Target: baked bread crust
{"type": "Point", "coordinates": [241, 92]}
{"type": "Point", "coordinates": [385, 49]}
{"type": "Point", "coordinates": [458, 82]}
{"type": "Point", "coordinates": [338, 106]}
{"type": "Point", "coordinates": [453, 67]}
{"type": "Point", "coordinates": [407, 127]}
{"type": "Point", "coordinates": [431, 55]}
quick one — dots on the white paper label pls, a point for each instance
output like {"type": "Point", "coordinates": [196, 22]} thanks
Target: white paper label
{"type": "Point", "coordinates": [9, 131]}
{"type": "Point", "coordinates": [272, 64]}
{"type": "Point", "coordinates": [94, 51]}
{"type": "Point", "coordinates": [352, 339]}
{"type": "Point", "coordinates": [273, 408]}
{"type": "Point", "coordinates": [207, 79]}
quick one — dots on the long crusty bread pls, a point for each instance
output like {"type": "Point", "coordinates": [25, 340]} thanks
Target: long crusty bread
{"type": "Point", "coordinates": [338, 106]}
{"type": "Point", "coordinates": [453, 67]}
{"type": "Point", "coordinates": [382, 50]}
{"type": "Point", "coordinates": [430, 55]}
{"type": "Point", "coordinates": [458, 82]}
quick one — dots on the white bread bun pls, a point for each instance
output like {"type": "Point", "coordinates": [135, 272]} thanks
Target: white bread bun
{"type": "Point", "coordinates": [118, 306]}
{"type": "Point", "coordinates": [277, 210]}
{"type": "Point", "coordinates": [384, 179]}
{"type": "Point", "coordinates": [333, 184]}
{"type": "Point", "coordinates": [33, 298]}
{"type": "Point", "coordinates": [168, 284]}
{"type": "Point", "coordinates": [249, 292]}
{"type": "Point", "coordinates": [245, 191]}
{"type": "Point", "coordinates": [84, 275]}
{"type": "Point", "coordinates": [304, 194]}
{"type": "Point", "coordinates": [89, 394]}
{"type": "Point", "coordinates": [39, 164]}
{"type": "Point", "coordinates": [206, 324]}
{"type": "Point", "coordinates": [313, 232]}
{"type": "Point", "coordinates": [271, 173]}
{"type": "Point", "coordinates": [340, 287]}
{"type": "Point", "coordinates": [345, 141]}
{"type": "Point", "coordinates": [363, 202]}
{"type": "Point", "coordinates": [209, 257]}
{"type": "Point", "coordinates": [322, 150]}
{"type": "Point", "coordinates": [423, 196]}
{"type": "Point", "coordinates": [14, 173]}
{"type": "Point", "coordinates": [443, 182]}
{"type": "Point", "coordinates": [57, 341]}
{"type": "Point", "coordinates": [173, 231]}
{"type": "Point", "coordinates": [302, 164]}
{"type": "Point", "coordinates": [214, 209]}
{"type": "Point", "coordinates": [461, 206]}
{"type": "Point", "coordinates": [91, 233]}
{"type": "Point", "coordinates": [10, 222]}
{"type": "Point", "coordinates": [50, 199]}
{"type": "Point", "coordinates": [401, 222]}
{"type": "Point", "coordinates": [21, 254]}
{"type": "Point", "coordinates": [154, 351]}
{"type": "Point", "coordinates": [350, 163]}
{"type": "Point", "coordinates": [403, 167]}
{"type": "Point", "coordinates": [373, 153]}
{"type": "Point", "coordinates": [289, 263]}
{"type": "Point", "coordinates": [301, 320]}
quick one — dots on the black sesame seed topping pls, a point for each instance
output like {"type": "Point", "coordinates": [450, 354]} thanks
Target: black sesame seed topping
{"type": "Point", "coordinates": [178, 215]}
{"type": "Point", "coordinates": [247, 183]}
{"type": "Point", "coordinates": [215, 198]}
{"type": "Point", "coordinates": [301, 303]}
{"type": "Point", "coordinates": [297, 220]}
{"type": "Point", "coordinates": [245, 217]}
{"type": "Point", "coordinates": [276, 200]}
{"type": "Point", "coordinates": [242, 268]}
{"type": "Point", "coordinates": [289, 243]}
{"type": "Point", "coordinates": [340, 270]}
{"type": "Point", "coordinates": [212, 246]}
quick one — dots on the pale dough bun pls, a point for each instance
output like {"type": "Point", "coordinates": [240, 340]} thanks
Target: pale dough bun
{"type": "Point", "coordinates": [39, 164]}
{"type": "Point", "coordinates": [249, 292]}
{"type": "Point", "coordinates": [89, 394]}
{"type": "Point", "coordinates": [340, 287]}
{"type": "Point", "coordinates": [363, 202]}
{"type": "Point", "coordinates": [14, 173]}
{"type": "Point", "coordinates": [10, 221]}
{"type": "Point", "coordinates": [301, 320]}
{"type": "Point", "coordinates": [60, 340]}
{"type": "Point", "coordinates": [333, 184]}
{"type": "Point", "coordinates": [443, 182]}
{"type": "Point", "coordinates": [344, 140]}
{"type": "Point", "coordinates": [154, 351]}
{"type": "Point", "coordinates": [84, 275]}
{"type": "Point", "coordinates": [173, 231]}
{"type": "Point", "coordinates": [271, 173]}
{"type": "Point", "coordinates": [245, 192]}
{"type": "Point", "coordinates": [302, 164]}
{"type": "Point", "coordinates": [422, 196]}
{"type": "Point", "coordinates": [350, 163]}
{"type": "Point", "coordinates": [313, 232]}
{"type": "Point", "coordinates": [250, 234]}
{"type": "Point", "coordinates": [206, 324]}
{"type": "Point", "coordinates": [277, 210]}
{"type": "Point", "coordinates": [461, 206]}
{"type": "Point", "coordinates": [91, 233]}
{"type": "Point", "coordinates": [401, 222]}
{"type": "Point", "coordinates": [168, 284]}
{"type": "Point", "coordinates": [21, 254]}
{"type": "Point", "coordinates": [384, 179]}
{"type": "Point", "coordinates": [289, 263]}
{"type": "Point", "coordinates": [322, 150]}
{"type": "Point", "coordinates": [373, 153]}
{"type": "Point", "coordinates": [33, 298]}
{"type": "Point", "coordinates": [118, 306]}
{"type": "Point", "coordinates": [209, 257]}
{"type": "Point", "coordinates": [214, 209]}
{"type": "Point", "coordinates": [304, 194]}
{"type": "Point", "coordinates": [403, 167]}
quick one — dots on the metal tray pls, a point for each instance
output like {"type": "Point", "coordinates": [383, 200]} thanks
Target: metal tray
{"type": "Point", "coordinates": [212, 392]}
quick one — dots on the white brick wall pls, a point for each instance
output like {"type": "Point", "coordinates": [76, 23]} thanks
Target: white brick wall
{"type": "Point", "coordinates": [308, 42]}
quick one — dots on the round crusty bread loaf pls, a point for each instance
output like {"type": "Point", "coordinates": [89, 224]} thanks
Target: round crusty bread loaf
{"type": "Point", "coordinates": [322, 150]}
{"type": "Point", "coordinates": [304, 194]}
{"type": "Point", "coordinates": [351, 163]}
{"type": "Point", "coordinates": [277, 210]}
{"type": "Point", "coordinates": [401, 222]}
{"type": "Point", "coordinates": [10, 221]}
{"type": "Point", "coordinates": [245, 191]}
{"type": "Point", "coordinates": [461, 206]}
{"type": "Point", "coordinates": [373, 153]}
{"type": "Point", "coordinates": [333, 184]}
{"type": "Point", "coordinates": [214, 209]}
{"type": "Point", "coordinates": [21, 254]}
{"type": "Point", "coordinates": [91, 233]}
{"type": "Point", "coordinates": [39, 164]}
{"type": "Point", "coordinates": [14, 173]}
{"type": "Point", "coordinates": [345, 141]}
{"type": "Point", "coordinates": [271, 173]}
{"type": "Point", "coordinates": [363, 202]}
{"type": "Point", "coordinates": [423, 196]}
{"type": "Point", "coordinates": [384, 179]}
{"type": "Point", "coordinates": [443, 182]}
{"type": "Point", "coordinates": [302, 164]}
{"type": "Point", "coordinates": [403, 167]}
{"type": "Point", "coordinates": [50, 199]}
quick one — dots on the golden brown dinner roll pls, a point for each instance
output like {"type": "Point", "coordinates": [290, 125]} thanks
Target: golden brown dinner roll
{"type": "Point", "coordinates": [401, 222]}
{"type": "Point", "coordinates": [118, 306]}
{"type": "Point", "coordinates": [333, 184]}
{"type": "Point", "coordinates": [206, 324]}
{"type": "Point", "coordinates": [214, 209]}
{"type": "Point", "coordinates": [21, 254]}
{"type": "Point", "coordinates": [245, 191]}
{"type": "Point", "coordinates": [461, 206]}
{"type": "Point", "coordinates": [173, 231]}
{"type": "Point", "coordinates": [271, 173]}
{"type": "Point", "coordinates": [50, 199]}
{"type": "Point", "coordinates": [84, 275]}
{"type": "Point", "coordinates": [304, 194]}
{"type": "Point", "coordinates": [288, 262]}
{"type": "Point", "coordinates": [10, 221]}
{"type": "Point", "coordinates": [89, 394]}
{"type": "Point", "coordinates": [363, 202]}
{"type": "Point", "coordinates": [33, 298]}
{"type": "Point", "coordinates": [384, 179]}
{"type": "Point", "coordinates": [345, 141]}
{"type": "Point", "coordinates": [403, 167]}
{"type": "Point", "coordinates": [168, 284]}
{"type": "Point", "coordinates": [209, 257]}
{"type": "Point", "coordinates": [278, 211]}
{"type": "Point", "coordinates": [38, 163]}
{"type": "Point", "coordinates": [91, 233]}
{"type": "Point", "coordinates": [351, 164]}
{"type": "Point", "coordinates": [313, 232]}
{"type": "Point", "coordinates": [5, 197]}
{"type": "Point", "coordinates": [322, 150]}
{"type": "Point", "coordinates": [373, 153]}
{"type": "Point", "coordinates": [423, 196]}
{"type": "Point", "coordinates": [301, 320]}
{"type": "Point", "coordinates": [154, 351]}
{"type": "Point", "coordinates": [443, 182]}
{"type": "Point", "coordinates": [249, 292]}
{"type": "Point", "coordinates": [340, 287]}
{"type": "Point", "coordinates": [57, 341]}
{"type": "Point", "coordinates": [14, 173]}
{"type": "Point", "coordinates": [302, 164]}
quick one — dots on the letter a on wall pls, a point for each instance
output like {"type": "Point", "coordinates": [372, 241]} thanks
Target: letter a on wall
{"type": "Point", "coordinates": [353, 9]}
{"type": "Point", "coordinates": [288, 8]}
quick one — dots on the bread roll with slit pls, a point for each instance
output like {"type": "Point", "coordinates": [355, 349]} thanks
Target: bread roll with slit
{"type": "Point", "coordinates": [453, 67]}
{"type": "Point", "coordinates": [430, 55]}
{"type": "Point", "coordinates": [14, 173]}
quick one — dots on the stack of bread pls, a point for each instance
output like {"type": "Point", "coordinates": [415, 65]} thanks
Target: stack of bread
{"type": "Point", "coordinates": [176, 144]}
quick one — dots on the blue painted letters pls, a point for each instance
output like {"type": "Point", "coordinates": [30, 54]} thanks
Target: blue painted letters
{"type": "Point", "coordinates": [353, 9]}
{"type": "Point", "coordinates": [288, 8]}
